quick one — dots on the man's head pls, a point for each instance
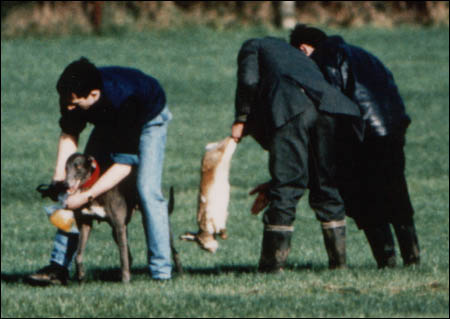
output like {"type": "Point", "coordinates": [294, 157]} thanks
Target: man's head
{"type": "Point", "coordinates": [79, 85]}
{"type": "Point", "coordinates": [306, 38]}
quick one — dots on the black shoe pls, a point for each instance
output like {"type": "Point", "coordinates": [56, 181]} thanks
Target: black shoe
{"type": "Point", "coordinates": [52, 274]}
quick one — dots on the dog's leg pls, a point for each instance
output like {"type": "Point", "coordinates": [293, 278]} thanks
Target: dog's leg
{"type": "Point", "coordinates": [175, 255]}
{"type": "Point", "coordinates": [121, 237]}
{"type": "Point", "coordinates": [130, 257]}
{"type": "Point", "coordinates": [85, 229]}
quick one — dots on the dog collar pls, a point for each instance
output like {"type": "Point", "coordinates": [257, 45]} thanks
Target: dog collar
{"type": "Point", "coordinates": [94, 176]}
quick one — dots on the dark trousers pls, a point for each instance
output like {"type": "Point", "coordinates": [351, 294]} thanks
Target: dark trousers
{"type": "Point", "coordinates": [372, 181]}
{"type": "Point", "coordinates": [302, 154]}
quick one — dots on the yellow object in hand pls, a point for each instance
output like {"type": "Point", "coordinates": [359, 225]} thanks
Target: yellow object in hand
{"type": "Point", "coordinates": [63, 219]}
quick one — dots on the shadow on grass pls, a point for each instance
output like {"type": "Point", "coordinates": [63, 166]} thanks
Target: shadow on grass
{"type": "Point", "coordinates": [13, 278]}
{"type": "Point", "coordinates": [114, 274]}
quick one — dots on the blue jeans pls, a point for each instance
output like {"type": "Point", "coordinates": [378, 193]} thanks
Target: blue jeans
{"type": "Point", "coordinates": [155, 218]}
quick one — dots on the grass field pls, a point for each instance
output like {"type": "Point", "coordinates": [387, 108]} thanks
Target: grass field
{"type": "Point", "coordinates": [197, 67]}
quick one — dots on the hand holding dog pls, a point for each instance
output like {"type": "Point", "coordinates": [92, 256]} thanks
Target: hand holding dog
{"type": "Point", "coordinates": [77, 200]}
{"type": "Point", "coordinates": [261, 200]}
{"type": "Point", "coordinates": [112, 177]}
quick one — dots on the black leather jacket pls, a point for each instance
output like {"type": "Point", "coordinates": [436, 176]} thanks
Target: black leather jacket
{"type": "Point", "coordinates": [366, 81]}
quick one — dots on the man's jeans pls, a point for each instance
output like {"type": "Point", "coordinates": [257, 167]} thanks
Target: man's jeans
{"type": "Point", "coordinates": [153, 205]}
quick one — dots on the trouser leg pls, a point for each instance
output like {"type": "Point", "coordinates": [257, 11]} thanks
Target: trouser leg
{"type": "Point", "coordinates": [64, 248]}
{"type": "Point", "coordinates": [153, 205]}
{"type": "Point", "coordinates": [302, 154]}
{"type": "Point", "coordinates": [324, 197]}
{"type": "Point", "coordinates": [382, 245]}
{"type": "Point", "coordinates": [288, 165]}
{"type": "Point", "coordinates": [385, 169]}
{"type": "Point", "coordinates": [408, 243]}
{"type": "Point", "coordinates": [400, 209]}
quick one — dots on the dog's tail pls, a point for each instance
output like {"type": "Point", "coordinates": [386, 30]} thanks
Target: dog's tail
{"type": "Point", "coordinates": [171, 203]}
{"type": "Point", "coordinates": [175, 255]}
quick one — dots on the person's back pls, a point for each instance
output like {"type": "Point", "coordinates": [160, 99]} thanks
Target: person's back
{"type": "Point", "coordinates": [362, 77]}
{"type": "Point", "coordinates": [282, 83]}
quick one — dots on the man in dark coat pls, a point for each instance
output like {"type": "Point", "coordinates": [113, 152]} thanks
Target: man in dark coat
{"type": "Point", "coordinates": [372, 180]}
{"type": "Point", "coordinates": [284, 102]}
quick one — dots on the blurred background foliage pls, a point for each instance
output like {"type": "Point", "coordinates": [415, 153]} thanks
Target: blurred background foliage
{"type": "Point", "coordinates": [50, 18]}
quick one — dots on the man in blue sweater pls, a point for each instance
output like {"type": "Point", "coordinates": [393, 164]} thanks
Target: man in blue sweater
{"type": "Point", "coordinates": [130, 117]}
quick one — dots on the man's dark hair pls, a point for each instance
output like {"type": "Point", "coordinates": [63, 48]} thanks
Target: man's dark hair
{"type": "Point", "coordinates": [79, 77]}
{"type": "Point", "coordinates": [308, 35]}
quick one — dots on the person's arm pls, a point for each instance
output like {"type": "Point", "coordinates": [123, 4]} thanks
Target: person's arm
{"type": "Point", "coordinates": [346, 80]}
{"type": "Point", "coordinates": [113, 176]}
{"type": "Point", "coordinates": [68, 144]}
{"type": "Point", "coordinates": [246, 90]}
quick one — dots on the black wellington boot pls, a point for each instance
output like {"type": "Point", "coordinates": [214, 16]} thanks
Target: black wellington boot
{"type": "Point", "coordinates": [276, 246]}
{"type": "Point", "coordinates": [334, 238]}
{"type": "Point", "coordinates": [382, 244]}
{"type": "Point", "coordinates": [408, 243]}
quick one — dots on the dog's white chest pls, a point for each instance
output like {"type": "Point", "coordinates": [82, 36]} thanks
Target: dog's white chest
{"type": "Point", "coordinates": [94, 210]}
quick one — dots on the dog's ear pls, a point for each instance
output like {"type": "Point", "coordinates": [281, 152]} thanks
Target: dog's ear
{"type": "Point", "coordinates": [91, 162]}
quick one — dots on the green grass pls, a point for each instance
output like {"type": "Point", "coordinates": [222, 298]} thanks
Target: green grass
{"type": "Point", "coordinates": [197, 67]}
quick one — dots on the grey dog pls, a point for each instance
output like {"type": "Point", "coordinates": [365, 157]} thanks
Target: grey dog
{"type": "Point", "coordinates": [116, 206]}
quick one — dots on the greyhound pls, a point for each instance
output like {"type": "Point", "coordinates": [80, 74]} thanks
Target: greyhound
{"type": "Point", "coordinates": [116, 206]}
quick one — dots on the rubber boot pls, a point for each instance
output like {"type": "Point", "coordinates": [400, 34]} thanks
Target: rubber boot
{"type": "Point", "coordinates": [334, 238]}
{"type": "Point", "coordinates": [408, 243]}
{"type": "Point", "coordinates": [276, 246]}
{"type": "Point", "coordinates": [382, 244]}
